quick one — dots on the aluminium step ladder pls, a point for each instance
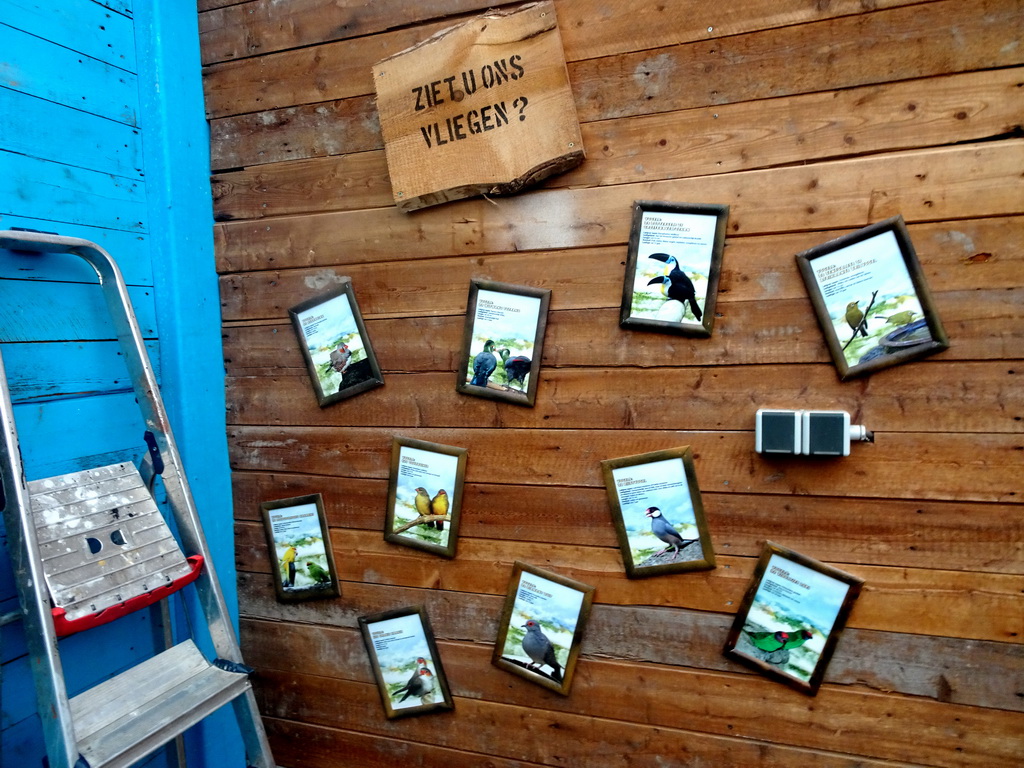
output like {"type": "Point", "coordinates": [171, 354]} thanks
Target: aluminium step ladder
{"type": "Point", "coordinates": [90, 546]}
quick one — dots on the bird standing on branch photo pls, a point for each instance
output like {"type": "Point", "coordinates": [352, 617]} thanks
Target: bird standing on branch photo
{"type": "Point", "coordinates": [439, 506]}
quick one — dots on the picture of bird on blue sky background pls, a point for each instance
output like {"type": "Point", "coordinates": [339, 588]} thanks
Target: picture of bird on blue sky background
{"type": "Point", "coordinates": [299, 548]}
{"type": "Point", "coordinates": [541, 629]}
{"type": "Point", "coordinates": [658, 513]}
{"type": "Point", "coordinates": [425, 483]}
{"type": "Point", "coordinates": [403, 655]}
{"type": "Point", "coordinates": [870, 299]}
{"type": "Point", "coordinates": [335, 346]}
{"type": "Point", "coordinates": [791, 617]}
{"type": "Point", "coordinates": [502, 345]}
{"type": "Point", "coordinates": [673, 267]}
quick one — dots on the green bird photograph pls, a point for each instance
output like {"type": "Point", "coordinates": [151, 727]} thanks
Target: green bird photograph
{"type": "Point", "coordinates": [770, 642]}
{"type": "Point", "coordinates": [318, 574]}
{"type": "Point", "coordinates": [855, 319]}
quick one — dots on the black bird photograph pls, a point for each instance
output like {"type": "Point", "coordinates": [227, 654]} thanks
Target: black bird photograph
{"type": "Point", "coordinates": [663, 529]}
{"type": "Point", "coordinates": [675, 284]}
{"type": "Point", "coordinates": [516, 368]}
{"type": "Point", "coordinates": [484, 364]}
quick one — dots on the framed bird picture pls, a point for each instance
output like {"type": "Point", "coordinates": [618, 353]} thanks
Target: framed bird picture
{"type": "Point", "coordinates": [791, 617]}
{"type": "Point", "coordinates": [541, 627]}
{"type": "Point", "coordinates": [871, 299]}
{"type": "Point", "coordinates": [658, 513]}
{"type": "Point", "coordinates": [405, 662]}
{"type": "Point", "coordinates": [301, 558]}
{"type": "Point", "coordinates": [673, 266]}
{"type": "Point", "coordinates": [502, 341]}
{"type": "Point", "coordinates": [425, 495]}
{"type": "Point", "coordinates": [335, 346]}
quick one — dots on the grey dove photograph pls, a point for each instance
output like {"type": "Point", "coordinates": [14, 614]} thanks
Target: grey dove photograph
{"type": "Point", "coordinates": [541, 627]}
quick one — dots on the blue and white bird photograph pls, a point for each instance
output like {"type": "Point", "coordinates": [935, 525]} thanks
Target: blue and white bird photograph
{"type": "Point", "coordinates": [541, 629]}
{"type": "Point", "coordinates": [658, 513]}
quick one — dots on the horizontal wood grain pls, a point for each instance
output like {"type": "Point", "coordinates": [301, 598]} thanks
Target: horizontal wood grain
{"type": "Point", "coordinates": [701, 140]}
{"type": "Point", "coordinates": [928, 185]}
{"type": "Point", "coordinates": [264, 26]}
{"type": "Point", "coordinates": [566, 733]}
{"type": "Point", "coordinates": [845, 719]}
{"type": "Point", "coordinates": [912, 601]}
{"type": "Point", "coordinates": [886, 532]}
{"type": "Point", "coordinates": [917, 665]}
{"type": "Point", "coordinates": [305, 75]}
{"type": "Point", "coordinates": [762, 63]}
{"type": "Point", "coordinates": [963, 397]}
{"type": "Point", "coordinates": [338, 127]}
{"type": "Point", "coordinates": [591, 30]}
{"type": "Point", "coordinates": [982, 325]}
{"type": "Point", "coordinates": [56, 72]}
{"type": "Point", "coordinates": [313, 746]}
{"type": "Point", "coordinates": [933, 39]}
{"type": "Point", "coordinates": [956, 255]}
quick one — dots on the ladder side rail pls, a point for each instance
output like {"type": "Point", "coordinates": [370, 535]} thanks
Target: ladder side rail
{"type": "Point", "coordinates": [40, 637]}
{"type": "Point", "coordinates": [147, 392]}
{"type": "Point", "coordinates": [179, 496]}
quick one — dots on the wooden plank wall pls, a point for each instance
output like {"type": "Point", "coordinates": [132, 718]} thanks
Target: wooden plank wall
{"type": "Point", "coordinates": [810, 119]}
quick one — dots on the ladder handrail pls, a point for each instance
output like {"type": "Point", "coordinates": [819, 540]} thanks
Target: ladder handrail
{"type": "Point", "coordinates": [23, 548]}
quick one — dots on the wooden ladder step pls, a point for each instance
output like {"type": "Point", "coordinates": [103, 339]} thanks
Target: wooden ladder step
{"type": "Point", "coordinates": [124, 718]}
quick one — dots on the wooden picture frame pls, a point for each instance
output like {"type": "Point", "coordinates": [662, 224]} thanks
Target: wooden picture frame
{"type": "Point", "coordinates": [299, 544]}
{"type": "Point", "coordinates": [871, 299]}
{"type": "Point", "coordinates": [337, 351]}
{"type": "Point", "coordinates": [542, 610]}
{"type": "Point", "coordinates": [425, 495]}
{"type": "Point", "coordinates": [791, 617]}
{"type": "Point", "coordinates": [503, 341]}
{"type": "Point", "coordinates": [405, 662]}
{"type": "Point", "coordinates": [673, 267]}
{"type": "Point", "coordinates": [656, 502]}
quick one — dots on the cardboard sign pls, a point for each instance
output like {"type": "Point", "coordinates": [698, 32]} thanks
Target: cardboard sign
{"type": "Point", "coordinates": [482, 108]}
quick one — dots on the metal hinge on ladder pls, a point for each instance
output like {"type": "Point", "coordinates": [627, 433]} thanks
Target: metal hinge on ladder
{"type": "Point", "coordinates": [90, 546]}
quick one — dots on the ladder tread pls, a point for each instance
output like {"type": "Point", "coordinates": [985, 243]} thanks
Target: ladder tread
{"type": "Point", "coordinates": [129, 715]}
{"type": "Point", "coordinates": [102, 539]}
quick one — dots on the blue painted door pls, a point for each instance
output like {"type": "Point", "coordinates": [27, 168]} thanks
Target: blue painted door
{"type": "Point", "coordinates": [102, 136]}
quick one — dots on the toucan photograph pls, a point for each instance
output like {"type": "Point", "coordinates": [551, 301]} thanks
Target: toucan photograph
{"type": "Point", "coordinates": [673, 267]}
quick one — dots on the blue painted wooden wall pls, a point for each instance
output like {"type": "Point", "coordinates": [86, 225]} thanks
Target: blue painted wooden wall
{"type": "Point", "coordinates": [102, 136]}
